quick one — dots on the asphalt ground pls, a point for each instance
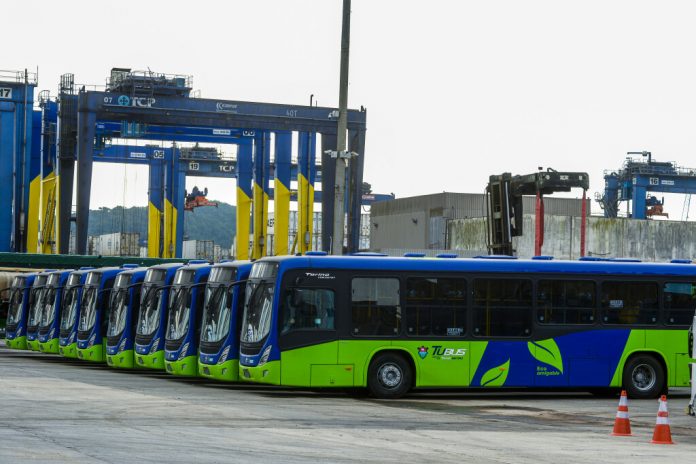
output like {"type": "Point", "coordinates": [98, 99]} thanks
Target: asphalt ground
{"type": "Point", "coordinates": [60, 411]}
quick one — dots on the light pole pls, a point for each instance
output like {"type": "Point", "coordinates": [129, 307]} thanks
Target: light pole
{"type": "Point", "coordinates": [341, 154]}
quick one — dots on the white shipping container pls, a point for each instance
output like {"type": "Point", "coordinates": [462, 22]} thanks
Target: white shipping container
{"type": "Point", "coordinates": [116, 244]}
{"type": "Point", "coordinates": [198, 249]}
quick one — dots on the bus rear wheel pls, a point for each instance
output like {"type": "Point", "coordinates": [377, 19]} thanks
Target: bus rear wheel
{"type": "Point", "coordinates": [644, 377]}
{"type": "Point", "coordinates": [389, 376]}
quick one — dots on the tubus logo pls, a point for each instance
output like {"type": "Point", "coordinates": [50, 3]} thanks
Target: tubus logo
{"type": "Point", "coordinates": [442, 352]}
{"type": "Point", "coordinates": [422, 351]}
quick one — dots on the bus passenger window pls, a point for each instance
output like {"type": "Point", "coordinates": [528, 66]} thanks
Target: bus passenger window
{"type": "Point", "coordinates": [435, 306]}
{"type": "Point", "coordinates": [679, 303]}
{"type": "Point", "coordinates": [566, 302]}
{"type": "Point", "coordinates": [375, 307]}
{"type": "Point", "coordinates": [629, 302]}
{"type": "Point", "coordinates": [502, 307]}
{"type": "Point", "coordinates": [307, 309]}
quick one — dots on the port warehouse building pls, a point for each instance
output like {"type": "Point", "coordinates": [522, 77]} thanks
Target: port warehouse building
{"type": "Point", "coordinates": [456, 222]}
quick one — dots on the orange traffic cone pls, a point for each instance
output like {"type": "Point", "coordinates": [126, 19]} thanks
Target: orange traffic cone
{"type": "Point", "coordinates": [662, 434]}
{"type": "Point", "coordinates": [622, 425]}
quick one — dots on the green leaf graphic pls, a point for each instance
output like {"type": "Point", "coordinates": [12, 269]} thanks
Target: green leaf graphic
{"type": "Point", "coordinates": [496, 377]}
{"type": "Point", "coordinates": [547, 352]}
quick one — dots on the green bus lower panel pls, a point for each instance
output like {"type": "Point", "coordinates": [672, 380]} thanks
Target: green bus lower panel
{"type": "Point", "coordinates": [33, 345]}
{"type": "Point", "coordinates": [227, 371]}
{"type": "Point", "coordinates": [150, 361]}
{"type": "Point", "coordinates": [123, 360]}
{"type": "Point", "coordinates": [187, 367]}
{"type": "Point", "coordinates": [50, 346]}
{"type": "Point", "coordinates": [95, 353]}
{"type": "Point", "coordinates": [269, 373]}
{"type": "Point", "coordinates": [69, 351]}
{"type": "Point", "coordinates": [19, 343]}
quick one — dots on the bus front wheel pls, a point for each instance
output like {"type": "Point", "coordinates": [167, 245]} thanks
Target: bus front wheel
{"type": "Point", "coordinates": [389, 376]}
{"type": "Point", "coordinates": [644, 377]}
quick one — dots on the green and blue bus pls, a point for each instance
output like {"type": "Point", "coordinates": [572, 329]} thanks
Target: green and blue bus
{"type": "Point", "coordinates": [123, 315]}
{"type": "Point", "coordinates": [393, 324]}
{"type": "Point", "coordinates": [218, 350]}
{"type": "Point", "coordinates": [15, 335]}
{"type": "Point", "coordinates": [70, 312]}
{"type": "Point", "coordinates": [49, 322]}
{"type": "Point", "coordinates": [36, 302]}
{"type": "Point", "coordinates": [184, 316]}
{"type": "Point", "coordinates": [94, 308]}
{"type": "Point", "coordinates": [152, 317]}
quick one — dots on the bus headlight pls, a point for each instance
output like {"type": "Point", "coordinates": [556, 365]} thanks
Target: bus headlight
{"type": "Point", "coordinates": [184, 349]}
{"type": "Point", "coordinates": [52, 333]}
{"type": "Point", "coordinates": [154, 346]}
{"type": "Point", "coordinates": [91, 339]}
{"type": "Point", "coordinates": [122, 346]}
{"type": "Point", "coordinates": [223, 356]}
{"type": "Point", "coordinates": [266, 354]}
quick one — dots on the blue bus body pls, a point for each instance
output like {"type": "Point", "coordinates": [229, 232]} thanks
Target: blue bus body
{"type": "Point", "coordinates": [152, 315]}
{"type": "Point", "coordinates": [218, 352]}
{"type": "Point", "coordinates": [36, 301]}
{"type": "Point", "coordinates": [123, 314]}
{"type": "Point", "coordinates": [184, 314]}
{"type": "Point", "coordinates": [49, 324]}
{"type": "Point", "coordinates": [16, 335]}
{"type": "Point", "coordinates": [94, 306]}
{"type": "Point", "coordinates": [70, 313]}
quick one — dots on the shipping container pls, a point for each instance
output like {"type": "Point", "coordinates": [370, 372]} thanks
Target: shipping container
{"type": "Point", "coordinates": [198, 249]}
{"type": "Point", "coordinates": [115, 244]}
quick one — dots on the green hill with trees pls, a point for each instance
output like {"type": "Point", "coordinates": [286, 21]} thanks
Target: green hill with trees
{"type": "Point", "coordinates": [204, 223]}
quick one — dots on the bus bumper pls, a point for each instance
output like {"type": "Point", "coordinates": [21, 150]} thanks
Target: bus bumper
{"type": "Point", "coordinates": [69, 351]}
{"type": "Point", "coordinates": [122, 360]}
{"type": "Point", "coordinates": [92, 354]}
{"type": "Point", "coordinates": [33, 345]}
{"type": "Point", "coordinates": [187, 367]}
{"type": "Point", "coordinates": [19, 343]}
{"type": "Point", "coordinates": [269, 373]}
{"type": "Point", "coordinates": [150, 361]}
{"type": "Point", "coordinates": [50, 346]}
{"type": "Point", "coordinates": [227, 371]}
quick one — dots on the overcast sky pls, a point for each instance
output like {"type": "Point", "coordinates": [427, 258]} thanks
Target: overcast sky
{"type": "Point", "coordinates": [455, 90]}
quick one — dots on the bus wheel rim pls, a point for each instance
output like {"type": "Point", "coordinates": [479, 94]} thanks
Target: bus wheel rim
{"type": "Point", "coordinates": [390, 375]}
{"type": "Point", "coordinates": [644, 377]}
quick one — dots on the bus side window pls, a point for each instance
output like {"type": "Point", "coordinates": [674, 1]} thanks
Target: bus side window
{"type": "Point", "coordinates": [435, 306]}
{"type": "Point", "coordinates": [375, 306]}
{"type": "Point", "coordinates": [679, 303]}
{"type": "Point", "coordinates": [307, 309]}
{"type": "Point", "coordinates": [629, 302]}
{"type": "Point", "coordinates": [566, 302]}
{"type": "Point", "coordinates": [502, 307]}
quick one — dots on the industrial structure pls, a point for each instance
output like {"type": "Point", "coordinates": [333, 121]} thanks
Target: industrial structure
{"type": "Point", "coordinates": [637, 181]}
{"type": "Point", "coordinates": [53, 150]}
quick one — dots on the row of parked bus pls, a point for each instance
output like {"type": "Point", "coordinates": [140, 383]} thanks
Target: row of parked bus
{"type": "Point", "coordinates": [175, 317]}
{"type": "Point", "coordinates": [387, 324]}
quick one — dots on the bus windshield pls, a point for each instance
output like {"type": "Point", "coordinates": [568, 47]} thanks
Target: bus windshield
{"type": "Point", "coordinates": [150, 303]}
{"type": "Point", "coordinates": [14, 315]}
{"type": "Point", "coordinates": [88, 312]}
{"type": "Point", "coordinates": [117, 317]}
{"type": "Point", "coordinates": [69, 309]}
{"type": "Point", "coordinates": [178, 314]}
{"type": "Point", "coordinates": [36, 298]}
{"type": "Point", "coordinates": [49, 305]}
{"type": "Point", "coordinates": [216, 320]}
{"type": "Point", "coordinates": [257, 311]}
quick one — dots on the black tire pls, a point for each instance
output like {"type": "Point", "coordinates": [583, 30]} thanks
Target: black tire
{"type": "Point", "coordinates": [644, 377]}
{"type": "Point", "coordinates": [389, 376]}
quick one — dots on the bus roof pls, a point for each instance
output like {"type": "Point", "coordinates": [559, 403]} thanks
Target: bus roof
{"type": "Point", "coordinates": [483, 265]}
